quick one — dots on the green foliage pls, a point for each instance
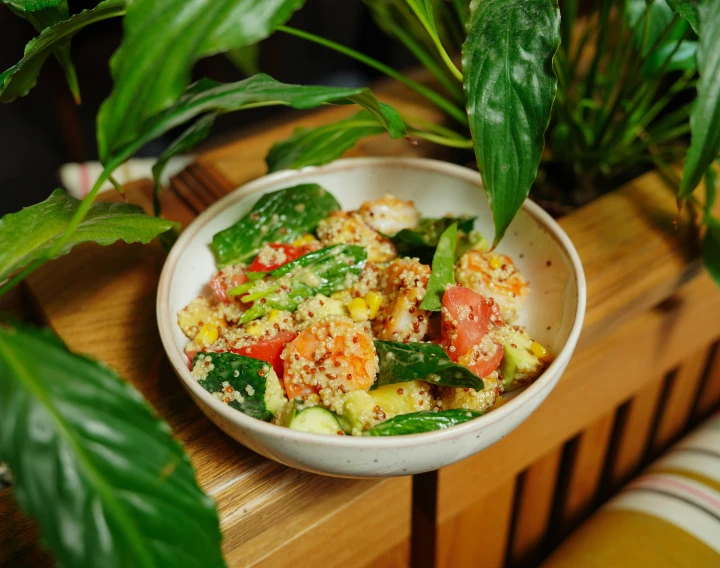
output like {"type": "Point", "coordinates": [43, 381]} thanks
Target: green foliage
{"type": "Point", "coordinates": [33, 234]}
{"type": "Point", "coordinates": [100, 473]}
{"type": "Point", "coordinates": [711, 249]}
{"type": "Point", "coordinates": [510, 87]}
{"type": "Point", "coordinates": [688, 9]}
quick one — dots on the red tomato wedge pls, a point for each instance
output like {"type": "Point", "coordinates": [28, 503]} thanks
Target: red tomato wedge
{"type": "Point", "coordinates": [469, 317]}
{"type": "Point", "coordinates": [269, 350]}
{"type": "Point", "coordinates": [221, 283]}
{"type": "Point", "coordinates": [486, 365]}
{"type": "Point", "coordinates": [291, 253]}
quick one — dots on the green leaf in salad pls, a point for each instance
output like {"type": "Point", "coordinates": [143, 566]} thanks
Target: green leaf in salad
{"type": "Point", "coordinates": [278, 216]}
{"type": "Point", "coordinates": [402, 362]}
{"type": "Point", "coordinates": [31, 234]}
{"type": "Point", "coordinates": [711, 249]}
{"type": "Point", "coordinates": [21, 77]}
{"type": "Point", "coordinates": [422, 241]}
{"type": "Point", "coordinates": [510, 87]}
{"type": "Point", "coordinates": [705, 115]}
{"type": "Point", "coordinates": [443, 270]}
{"type": "Point", "coordinates": [250, 384]}
{"type": "Point", "coordinates": [89, 455]}
{"type": "Point", "coordinates": [315, 146]}
{"type": "Point", "coordinates": [162, 40]}
{"type": "Point", "coordinates": [426, 421]}
{"type": "Point", "coordinates": [324, 271]}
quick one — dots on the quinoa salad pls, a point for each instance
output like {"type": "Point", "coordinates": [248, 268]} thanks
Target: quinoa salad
{"type": "Point", "coordinates": [373, 322]}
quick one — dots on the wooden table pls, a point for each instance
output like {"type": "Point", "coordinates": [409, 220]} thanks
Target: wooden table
{"type": "Point", "coordinates": [646, 369]}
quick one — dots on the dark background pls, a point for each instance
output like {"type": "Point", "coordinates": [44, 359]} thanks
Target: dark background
{"type": "Point", "coordinates": [44, 130]}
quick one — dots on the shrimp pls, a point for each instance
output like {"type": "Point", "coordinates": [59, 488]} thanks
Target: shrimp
{"type": "Point", "coordinates": [390, 215]}
{"type": "Point", "coordinates": [471, 399]}
{"type": "Point", "coordinates": [400, 317]}
{"type": "Point", "coordinates": [494, 276]}
{"type": "Point", "coordinates": [330, 357]}
{"type": "Point", "coordinates": [349, 228]}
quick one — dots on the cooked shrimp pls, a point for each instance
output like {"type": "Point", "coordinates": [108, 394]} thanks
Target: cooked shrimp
{"type": "Point", "coordinates": [349, 228]}
{"type": "Point", "coordinates": [494, 276]}
{"type": "Point", "coordinates": [330, 357]}
{"type": "Point", "coordinates": [400, 317]}
{"type": "Point", "coordinates": [471, 399]}
{"type": "Point", "coordinates": [390, 215]}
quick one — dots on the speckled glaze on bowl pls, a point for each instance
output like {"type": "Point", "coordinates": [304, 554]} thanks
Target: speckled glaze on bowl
{"type": "Point", "coordinates": [553, 312]}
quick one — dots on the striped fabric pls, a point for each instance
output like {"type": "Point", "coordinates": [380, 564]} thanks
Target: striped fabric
{"type": "Point", "coordinates": [668, 517]}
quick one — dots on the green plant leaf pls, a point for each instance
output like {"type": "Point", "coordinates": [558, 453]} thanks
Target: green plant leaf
{"type": "Point", "coordinates": [315, 146]}
{"type": "Point", "coordinates": [194, 134]}
{"type": "Point", "coordinates": [424, 11]}
{"type": "Point", "coordinates": [682, 60]}
{"type": "Point", "coordinates": [687, 9]}
{"type": "Point", "coordinates": [402, 362]}
{"type": "Point", "coordinates": [259, 90]}
{"type": "Point", "coordinates": [33, 5]}
{"type": "Point", "coordinates": [48, 17]}
{"type": "Point", "coordinates": [168, 37]}
{"type": "Point", "coordinates": [246, 58]}
{"type": "Point", "coordinates": [418, 422]}
{"type": "Point", "coordinates": [710, 191]}
{"type": "Point", "coordinates": [510, 86]}
{"type": "Point", "coordinates": [705, 116]}
{"type": "Point", "coordinates": [101, 474]}
{"type": "Point", "coordinates": [660, 17]}
{"type": "Point", "coordinates": [21, 77]}
{"type": "Point", "coordinates": [711, 249]}
{"type": "Point", "coordinates": [443, 270]}
{"type": "Point", "coordinates": [30, 234]}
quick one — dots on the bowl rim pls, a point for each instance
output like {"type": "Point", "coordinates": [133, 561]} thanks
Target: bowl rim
{"type": "Point", "coordinates": [179, 363]}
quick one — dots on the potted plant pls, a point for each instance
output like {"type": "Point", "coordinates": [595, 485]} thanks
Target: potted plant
{"type": "Point", "coordinates": [610, 105]}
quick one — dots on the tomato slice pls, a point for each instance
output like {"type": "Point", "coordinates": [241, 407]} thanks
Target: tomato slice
{"type": "Point", "coordinates": [483, 366]}
{"type": "Point", "coordinates": [221, 283]}
{"type": "Point", "coordinates": [291, 253]}
{"type": "Point", "coordinates": [269, 350]}
{"type": "Point", "coordinates": [467, 318]}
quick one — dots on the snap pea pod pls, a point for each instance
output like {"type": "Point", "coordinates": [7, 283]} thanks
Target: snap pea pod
{"type": "Point", "coordinates": [324, 271]}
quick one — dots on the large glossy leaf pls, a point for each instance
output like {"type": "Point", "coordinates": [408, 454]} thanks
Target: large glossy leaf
{"type": "Point", "coordinates": [315, 146]}
{"type": "Point", "coordinates": [48, 17]}
{"type": "Point", "coordinates": [101, 474]}
{"type": "Point", "coordinates": [207, 96]}
{"type": "Point", "coordinates": [705, 116]}
{"type": "Point", "coordinates": [687, 9]}
{"type": "Point", "coordinates": [31, 234]}
{"type": "Point", "coordinates": [33, 5]}
{"type": "Point", "coordinates": [21, 77]}
{"type": "Point", "coordinates": [510, 87]}
{"type": "Point", "coordinates": [711, 249]}
{"type": "Point", "coordinates": [163, 39]}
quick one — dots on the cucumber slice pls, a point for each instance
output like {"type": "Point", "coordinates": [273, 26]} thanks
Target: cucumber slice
{"type": "Point", "coordinates": [418, 422]}
{"type": "Point", "coordinates": [246, 384]}
{"type": "Point", "coordinates": [316, 420]}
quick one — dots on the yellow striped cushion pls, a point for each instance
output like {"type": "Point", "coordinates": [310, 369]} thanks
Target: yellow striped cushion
{"type": "Point", "coordinates": [668, 517]}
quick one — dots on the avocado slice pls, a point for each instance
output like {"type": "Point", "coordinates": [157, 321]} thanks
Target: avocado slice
{"type": "Point", "coordinates": [358, 412]}
{"type": "Point", "coordinates": [520, 366]}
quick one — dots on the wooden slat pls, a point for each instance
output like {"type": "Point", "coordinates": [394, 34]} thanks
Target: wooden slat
{"type": "Point", "coordinates": [478, 535]}
{"type": "Point", "coordinates": [679, 399]}
{"type": "Point", "coordinates": [535, 496]}
{"type": "Point", "coordinates": [397, 557]}
{"type": "Point", "coordinates": [588, 461]}
{"type": "Point", "coordinates": [709, 395]}
{"type": "Point", "coordinates": [634, 436]}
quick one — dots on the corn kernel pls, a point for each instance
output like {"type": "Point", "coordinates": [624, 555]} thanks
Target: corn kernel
{"type": "Point", "coordinates": [358, 309]}
{"type": "Point", "coordinates": [207, 335]}
{"type": "Point", "coordinates": [255, 330]}
{"type": "Point", "coordinates": [538, 350]}
{"type": "Point", "coordinates": [495, 262]}
{"type": "Point", "coordinates": [373, 300]}
{"type": "Point", "coordinates": [306, 239]}
{"type": "Point", "coordinates": [274, 316]}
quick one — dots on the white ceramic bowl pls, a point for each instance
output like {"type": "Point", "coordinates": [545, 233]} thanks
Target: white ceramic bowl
{"type": "Point", "coordinates": [553, 312]}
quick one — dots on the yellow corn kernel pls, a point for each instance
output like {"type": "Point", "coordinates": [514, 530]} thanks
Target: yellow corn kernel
{"type": "Point", "coordinates": [495, 262]}
{"type": "Point", "coordinates": [306, 239]}
{"type": "Point", "coordinates": [538, 350]}
{"type": "Point", "coordinates": [207, 335]}
{"type": "Point", "coordinates": [255, 330]}
{"type": "Point", "coordinates": [274, 316]}
{"type": "Point", "coordinates": [373, 300]}
{"type": "Point", "coordinates": [358, 309]}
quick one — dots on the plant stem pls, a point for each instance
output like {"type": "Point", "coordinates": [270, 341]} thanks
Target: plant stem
{"type": "Point", "coordinates": [444, 141]}
{"type": "Point", "coordinates": [412, 121]}
{"type": "Point", "coordinates": [435, 39]}
{"type": "Point", "coordinates": [599, 50]}
{"type": "Point", "coordinates": [460, 11]}
{"type": "Point", "coordinates": [441, 102]}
